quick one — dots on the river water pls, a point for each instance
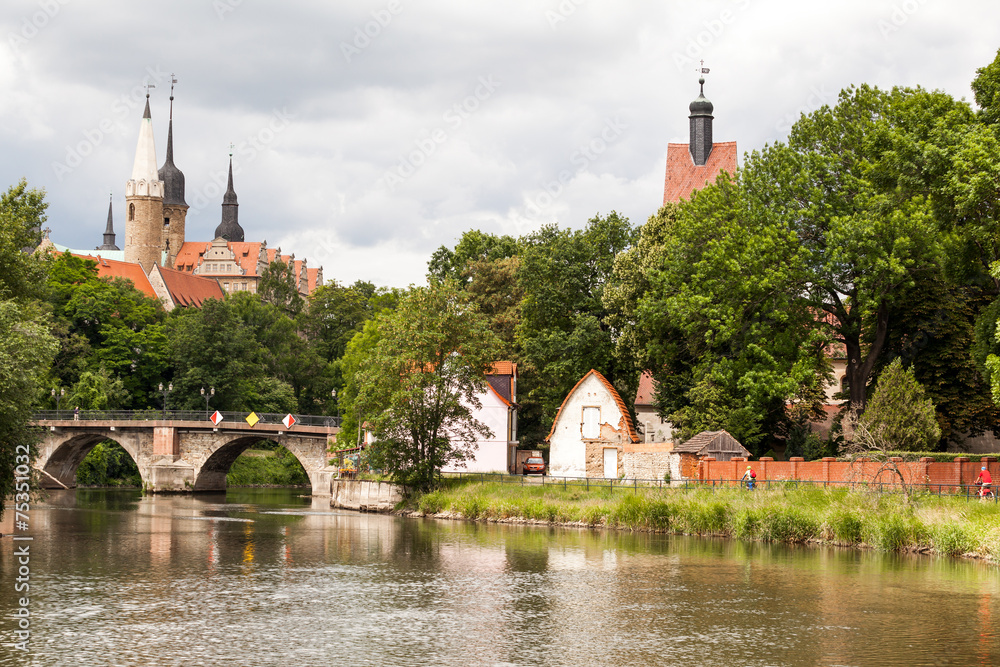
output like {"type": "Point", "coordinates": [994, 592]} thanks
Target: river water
{"type": "Point", "coordinates": [266, 577]}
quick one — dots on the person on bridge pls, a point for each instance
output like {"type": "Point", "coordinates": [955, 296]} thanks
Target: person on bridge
{"type": "Point", "coordinates": [749, 476]}
{"type": "Point", "coordinates": [76, 413]}
{"type": "Point", "coordinates": [984, 480]}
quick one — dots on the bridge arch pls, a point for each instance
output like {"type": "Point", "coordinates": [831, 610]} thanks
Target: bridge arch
{"type": "Point", "coordinates": [212, 474]}
{"type": "Point", "coordinates": [59, 470]}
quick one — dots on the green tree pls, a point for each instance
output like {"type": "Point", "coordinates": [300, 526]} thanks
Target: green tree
{"type": "Point", "coordinates": [97, 390]}
{"type": "Point", "coordinates": [359, 349]}
{"type": "Point", "coordinates": [900, 411]}
{"type": "Point", "coordinates": [474, 246]}
{"type": "Point", "coordinates": [986, 88]}
{"type": "Point", "coordinates": [563, 331]}
{"type": "Point", "coordinates": [278, 286]}
{"type": "Point", "coordinates": [26, 346]}
{"type": "Point", "coordinates": [418, 387]}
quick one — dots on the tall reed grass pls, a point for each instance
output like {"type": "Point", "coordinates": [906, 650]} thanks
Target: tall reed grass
{"type": "Point", "coordinates": [889, 522]}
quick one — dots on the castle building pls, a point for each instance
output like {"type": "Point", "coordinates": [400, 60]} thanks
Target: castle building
{"type": "Point", "coordinates": [156, 217]}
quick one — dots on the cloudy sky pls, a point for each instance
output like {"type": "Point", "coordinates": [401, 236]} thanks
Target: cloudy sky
{"type": "Point", "coordinates": [367, 134]}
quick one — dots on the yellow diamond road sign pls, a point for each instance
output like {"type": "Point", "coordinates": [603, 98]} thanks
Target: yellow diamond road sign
{"type": "Point", "coordinates": [252, 419]}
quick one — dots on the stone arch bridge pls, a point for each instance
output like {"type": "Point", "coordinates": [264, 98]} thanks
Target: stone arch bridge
{"type": "Point", "coordinates": [177, 451]}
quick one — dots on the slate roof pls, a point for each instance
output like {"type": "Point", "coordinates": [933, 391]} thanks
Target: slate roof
{"type": "Point", "coordinates": [112, 268]}
{"type": "Point", "coordinates": [622, 408]}
{"type": "Point", "coordinates": [684, 177]}
{"type": "Point", "coordinates": [501, 380]}
{"type": "Point", "coordinates": [186, 289]}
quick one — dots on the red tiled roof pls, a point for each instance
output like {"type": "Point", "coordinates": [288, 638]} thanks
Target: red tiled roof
{"type": "Point", "coordinates": [622, 408]}
{"type": "Point", "coordinates": [646, 393]}
{"type": "Point", "coordinates": [684, 177]}
{"type": "Point", "coordinates": [112, 268]}
{"type": "Point", "coordinates": [191, 253]}
{"type": "Point", "coordinates": [503, 368]}
{"type": "Point", "coordinates": [189, 290]}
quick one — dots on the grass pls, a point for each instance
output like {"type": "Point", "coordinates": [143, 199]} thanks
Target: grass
{"type": "Point", "coordinates": [889, 522]}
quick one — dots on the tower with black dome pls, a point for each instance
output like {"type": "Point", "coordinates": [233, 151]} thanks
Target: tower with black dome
{"type": "Point", "coordinates": [701, 117]}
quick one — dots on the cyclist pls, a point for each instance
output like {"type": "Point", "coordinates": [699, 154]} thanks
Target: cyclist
{"type": "Point", "coordinates": [984, 480]}
{"type": "Point", "coordinates": [749, 476]}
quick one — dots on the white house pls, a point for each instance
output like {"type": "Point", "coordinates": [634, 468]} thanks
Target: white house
{"type": "Point", "coordinates": [499, 414]}
{"type": "Point", "coordinates": [591, 431]}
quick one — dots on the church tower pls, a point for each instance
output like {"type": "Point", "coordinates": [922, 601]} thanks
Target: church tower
{"type": "Point", "coordinates": [701, 118]}
{"type": "Point", "coordinates": [144, 201]}
{"type": "Point", "coordinates": [174, 207]}
{"type": "Point", "coordinates": [229, 228]}
{"type": "Point", "coordinates": [109, 232]}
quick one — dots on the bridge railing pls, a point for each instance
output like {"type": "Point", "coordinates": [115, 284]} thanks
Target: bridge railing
{"type": "Point", "coordinates": [183, 415]}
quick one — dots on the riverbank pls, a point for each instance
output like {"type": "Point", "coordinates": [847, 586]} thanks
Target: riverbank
{"type": "Point", "coordinates": [888, 522]}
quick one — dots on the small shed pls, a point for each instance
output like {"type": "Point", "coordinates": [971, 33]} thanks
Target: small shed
{"type": "Point", "coordinates": [720, 445]}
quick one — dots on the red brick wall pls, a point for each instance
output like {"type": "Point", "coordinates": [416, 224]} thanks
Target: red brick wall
{"type": "Point", "coordinates": [925, 471]}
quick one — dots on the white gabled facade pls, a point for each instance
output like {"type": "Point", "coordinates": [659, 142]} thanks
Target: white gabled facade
{"type": "Point", "coordinates": [592, 420]}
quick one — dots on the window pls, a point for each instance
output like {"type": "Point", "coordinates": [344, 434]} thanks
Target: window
{"type": "Point", "coordinates": [225, 286]}
{"type": "Point", "coordinates": [131, 212]}
{"type": "Point", "coordinates": [591, 422]}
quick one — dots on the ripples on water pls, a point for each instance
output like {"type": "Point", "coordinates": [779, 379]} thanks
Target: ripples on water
{"type": "Point", "coordinates": [273, 579]}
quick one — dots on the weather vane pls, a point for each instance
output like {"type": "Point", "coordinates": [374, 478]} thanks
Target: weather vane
{"type": "Point", "coordinates": [231, 147]}
{"type": "Point", "coordinates": [702, 69]}
{"type": "Point", "coordinates": [148, 86]}
{"type": "Point", "coordinates": [173, 80]}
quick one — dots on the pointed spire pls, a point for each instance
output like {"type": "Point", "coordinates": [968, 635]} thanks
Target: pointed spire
{"type": "Point", "coordinates": [172, 177]}
{"type": "Point", "coordinates": [144, 167]}
{"type": "Point", "coordinates": [229, 228]}
{"type": "Point", "coordinates": [109, 231]}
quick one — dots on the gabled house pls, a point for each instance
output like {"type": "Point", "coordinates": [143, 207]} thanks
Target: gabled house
{"type": "Point", "coordinates": [591, 431]}
{"type": "Point", "coordinates": [180, 289]}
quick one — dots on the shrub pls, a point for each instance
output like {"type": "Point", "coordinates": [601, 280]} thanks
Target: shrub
{"type": "Point", "coordinates": [900, 412]}
{"type": "Point", "coordinates": [432, 503]}
{"type": "Point", "coordinates": [845, 525]}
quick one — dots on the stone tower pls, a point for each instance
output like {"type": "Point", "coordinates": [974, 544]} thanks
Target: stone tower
{"type": "Point", "coordinates": [144, 201]}
{"type": "Point", "coordinates": [174, 207]}
{"type": "Point", "coordinates": [701, 117]}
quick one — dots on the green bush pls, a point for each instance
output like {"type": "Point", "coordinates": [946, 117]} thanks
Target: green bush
{"type": "Point", "coordinates": [953, 540]}
{"type": "Point", "coordinates": [845, 525]}
{"type": "Point", "coordinates": [432, 503]}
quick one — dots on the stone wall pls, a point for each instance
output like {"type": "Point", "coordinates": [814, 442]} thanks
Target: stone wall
{"type": "Point", "coordinates": [364, 495]}
{"type": "Point", "coordinates": [651, 465]}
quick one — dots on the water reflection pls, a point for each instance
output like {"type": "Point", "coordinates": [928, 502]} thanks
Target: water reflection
{"type": "Point", "coordinates": [269, 577]}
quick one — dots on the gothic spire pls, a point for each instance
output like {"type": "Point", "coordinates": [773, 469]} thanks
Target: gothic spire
{"type": "Point", "coordinates": [172, 177]}
{"type": "Point", "coordinates": [229, 228]}
{"type": "Point", "coordinates": [109, 231]}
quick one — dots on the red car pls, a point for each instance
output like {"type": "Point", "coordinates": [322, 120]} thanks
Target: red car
{"type": "Point", "coordinates": [534, 466]}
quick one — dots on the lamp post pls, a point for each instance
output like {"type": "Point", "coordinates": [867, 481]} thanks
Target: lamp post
{"type": "Point", "coordinates": [207, 395]}
{"type": "Point", "coordinates": [333, 394]}
{"type": "Point", "coordinates": [58, 397]}
{"type": "Point", "coordinates": [170, 388]}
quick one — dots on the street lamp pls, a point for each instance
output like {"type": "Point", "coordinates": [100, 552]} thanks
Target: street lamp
{"type": "Point", "coordinates": [170, 388]}
{"type": "Point", "coordinates": [207, 395]}
{"type": "Point", "coordinates": [333, 393]}
{"type": "Point", "coordinates": [58, 397]}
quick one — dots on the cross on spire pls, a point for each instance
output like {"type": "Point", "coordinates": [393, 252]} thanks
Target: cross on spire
{"type": "Point", "coordinates": [231, 147]}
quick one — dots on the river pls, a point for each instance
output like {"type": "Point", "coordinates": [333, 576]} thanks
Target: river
{"type": "Point", "coordinates": [267, 577]}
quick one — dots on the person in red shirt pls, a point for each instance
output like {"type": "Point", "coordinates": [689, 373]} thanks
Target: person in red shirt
{"type": "Point", "coordinates": [984, 480]}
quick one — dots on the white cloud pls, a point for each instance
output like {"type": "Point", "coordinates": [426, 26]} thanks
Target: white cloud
{"type": "Point", "coordinates": [316, 185]}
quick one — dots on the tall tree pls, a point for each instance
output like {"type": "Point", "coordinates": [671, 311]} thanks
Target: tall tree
{"type": "Point", "coordinates": [563, 331]}
{"type": "Point", "coordinates": [26, 346]}
{"type": "Point", "coordinates": [279, 287]}
{"type": "Point", "coordinates": [420, 384]}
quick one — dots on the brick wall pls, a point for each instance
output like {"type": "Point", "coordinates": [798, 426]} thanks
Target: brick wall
{"type": "Point", "coordinates": [925, 471]}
